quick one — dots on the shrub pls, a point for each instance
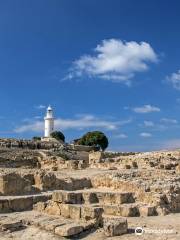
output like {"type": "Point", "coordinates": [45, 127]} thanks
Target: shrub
{"type": "Point", "coordinates": [95, 138]}
{"type": "Point", "coordinates": [62, 155]}
{"type": "Point", "coordinates": [35, 138]}
{"type": "Point", "coordinates": [58, 136]}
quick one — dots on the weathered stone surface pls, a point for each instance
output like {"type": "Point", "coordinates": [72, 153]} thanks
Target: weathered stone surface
{"type": "Point", "coordinates": [95, 157]}
{"type": "Point", "coordinates": [147, 211]}
{"type": "Point", "coordinates": [65, 210]}
{"type": "Point", "coordinates": [40, 206]}
{"type": "Point", "coordinates": [75, 211]}
{"type": "Point", "coordinates": [21, 203]}
{"type": "Point", "coordinates": [68, 230]}
{"type": "Point", "coordinates": [45, 181]}
{"type": "Point", "coordinates": [67, 197]}
{"type": "Point", "coordinates": [115, 227]}
{"type": "Point", "coordinates": [13, 183]}
{"type": "Point", "coordinates": [89, 197]}
{"type": "Point", "coordinates": [10, 226]}
{"type": "Point", "coordinates": [52, 208]}
{"type": "Point", "coordinates": [118, 198]}
{"type": "Point", "coordinates": [16, 204]}
{"type": "Point", "coordinates": [91, 212]}
{"type": "Point", "coordinates": [149, 186]}
{"type": "Point", "coordinates": [126, 210]}
{"type": "Point", "coordinates": [111, 210]}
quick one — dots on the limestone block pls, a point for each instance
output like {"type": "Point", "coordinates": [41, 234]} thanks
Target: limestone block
{"type": "Point", "coordinates": [109, 197]}
{"type": "Point", "coordinates": [162, 211]}
{"type": "Point", "coordinates": [75, 211]}
{"type": "Point", "coordinates": [124, 197]}
{"type": "Point", "coordinates": [68, 230]}
{"type": "Point", "coordinates": [41, 198]}
{"type": "Point", "coordinates": [89, 197]}
{"type": "Point", "coordinates": [21, 203]}
{"type": "Point", "coordinates": [126, 210]}
{"type": "Point", "coordinates": [81, 183]}
{"type": "Point", "coordinates": [115, 227]}
{"type": "Point", "coordinates": [67, 197]}
{"type": "Point", "coordinates": [40, 206]}
{"type": "Point", "coordinates": [111, 210]}
{"type": "Point", "coordinates": [114, 197]}
{"type": "Point", "coordinates": [147, 211]}
{"type": "Point", "coordinates": [45, 181]}
{"type": "Point", "coordinates": [53, 224]}
{"type": "Point", "coordinates": [4, 206]}
{"type": "Point", "coordinates": [95, 157]}
{"type": "Point", "coordinates": [13, 184]}
{"type": "Point", "coordinates": [91, 212]}
{"type": "Point", "coordinates": [65, 210]}
{"type": "Point", "coordinates": [53, 208]}
{"type": "Point", "coordinates": [89, 224]}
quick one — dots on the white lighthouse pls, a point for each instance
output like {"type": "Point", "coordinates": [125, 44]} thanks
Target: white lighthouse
{"type": "Point", "coordinates": [49, 122]}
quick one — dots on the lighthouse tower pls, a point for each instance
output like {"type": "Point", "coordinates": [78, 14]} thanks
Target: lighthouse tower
{"type": "Point", "coordinates": [49, 122]}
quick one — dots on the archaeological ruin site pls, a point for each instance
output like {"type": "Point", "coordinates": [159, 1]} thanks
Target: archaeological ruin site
{"type": "Point", "coordinates": [51, 190]}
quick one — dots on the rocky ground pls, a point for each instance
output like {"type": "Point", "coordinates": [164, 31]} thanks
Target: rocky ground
{"type": "Point", "coordinates": [63, 192]}
{"type": "Point", "coordinates": [159, 227]}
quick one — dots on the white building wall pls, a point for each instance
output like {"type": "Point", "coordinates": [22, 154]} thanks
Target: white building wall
{"type": "Point", "coordinates": [49, 122]}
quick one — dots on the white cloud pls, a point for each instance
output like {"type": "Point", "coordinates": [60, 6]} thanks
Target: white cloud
{"type": "Point", "coordinates": [145, 134]}
{"type": "Point", "coordinates": [114, 60]}
{"type": "Point", "coordinates": [122, 136]}
{"type": "Point", "coordinates": [169, 120]}
{"type": "Point", "coordinates": [86, 121]}
{"type": "Point", "coordinates": [148, 124]}
{"type": "Point", "coordinates": [30, 127]}
{"type": "Point", "coordinates": [174, 79]}
{"type": "Point", "coordinates": [41, 106]}
{"type": "Point", "coordinates": [146, 109]}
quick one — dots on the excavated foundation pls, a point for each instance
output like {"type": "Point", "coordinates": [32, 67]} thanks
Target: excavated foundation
{"type": "Point", "coordinates": [73, 193]}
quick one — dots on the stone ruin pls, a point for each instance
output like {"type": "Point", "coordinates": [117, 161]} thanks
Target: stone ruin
{"type": "Point", "coordinates": [71, 191]}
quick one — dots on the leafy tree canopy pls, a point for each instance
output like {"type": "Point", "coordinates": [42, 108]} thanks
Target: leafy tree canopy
{"type": "Point", "coordinates": [58, 135]}
{"type": "Point", "coordinates": [95, 138]}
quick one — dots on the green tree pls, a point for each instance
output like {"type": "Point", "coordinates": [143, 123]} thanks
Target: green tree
{"type": "Point", "coordinates": [58, 135]}
{"type": "Point", "coordinates": [95, 138]}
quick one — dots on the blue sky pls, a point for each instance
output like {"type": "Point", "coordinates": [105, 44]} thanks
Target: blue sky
{"type": "Point", "coordinates": [102, 65]}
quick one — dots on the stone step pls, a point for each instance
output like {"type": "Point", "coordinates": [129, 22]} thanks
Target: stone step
{"type": "Point", "coordinates": [123, 210]}
{"type": "Point", "coordinates": [89, 196]}
{"type": "Point", "coordinates": [130, 210]}
{"type": "Point", "coordinates": [73, 211]}
{"type": "Point", "coordinates": [59, 225]}
{"type": "Point", "coordinates": [55, 224]}
{"type": "Point", "coordinates": [22, 203]}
